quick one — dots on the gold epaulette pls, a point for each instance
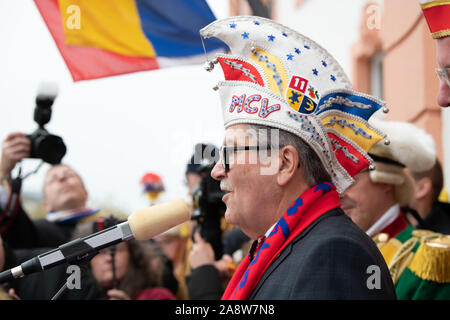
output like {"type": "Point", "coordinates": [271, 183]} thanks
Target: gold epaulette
{"type": "Point", "coordinates": [432, 260]}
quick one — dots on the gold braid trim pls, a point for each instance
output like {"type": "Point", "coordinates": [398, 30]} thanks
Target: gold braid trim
{"type": "Point", "coordinates": [431, 4]}
{"type": "Point", "coordinates": [403, 254]}
{"type": "Point", "coordinates": [432, 260]}
{"type": "Point", "coordinates": [440, 34]}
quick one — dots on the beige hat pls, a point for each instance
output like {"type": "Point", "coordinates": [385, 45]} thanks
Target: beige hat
{"type": "Point", "coordinates": [410, 147]}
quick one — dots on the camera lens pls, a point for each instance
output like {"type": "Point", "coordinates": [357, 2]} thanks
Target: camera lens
{"type": "Point", "coordinates": [50, 148]}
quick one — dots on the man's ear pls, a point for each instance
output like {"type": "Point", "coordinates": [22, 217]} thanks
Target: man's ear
{"type": "Point", "coordinates": [387, 187]}
{"type": "Point", "coordinates": [288, 164]}
{"type": "Point", "coordinates": [423, 187]}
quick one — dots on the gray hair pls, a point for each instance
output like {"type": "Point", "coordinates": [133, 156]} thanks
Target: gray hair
{"type": "Point", "coordinates": [313, 170]}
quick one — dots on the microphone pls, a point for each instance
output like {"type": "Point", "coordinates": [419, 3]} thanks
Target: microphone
{"type": "Point", "coordinates": [143, 224]}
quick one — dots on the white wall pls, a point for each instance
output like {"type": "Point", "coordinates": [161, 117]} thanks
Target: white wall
{"type": "Point", "coordinates": [332, 24]}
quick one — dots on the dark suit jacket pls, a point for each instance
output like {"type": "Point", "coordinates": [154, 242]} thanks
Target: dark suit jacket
{"type": "Point", "coordinates": [25, 233]}
{"type": "Point", "coordinates": [328, 260]}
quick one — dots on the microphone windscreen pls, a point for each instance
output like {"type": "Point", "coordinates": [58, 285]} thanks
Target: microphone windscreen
{"type": "Point", "coordinates": [149, 222]}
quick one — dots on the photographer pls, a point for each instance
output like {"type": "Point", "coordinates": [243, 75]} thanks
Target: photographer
{"type": "Point", "coordinates": [16, 227]}
{"type": "Point", "coordinates": [214, 240]}
{"type": "Point", "coordinates": [206, 195]}
{"type": "Point", "coordinates": [64, 199]}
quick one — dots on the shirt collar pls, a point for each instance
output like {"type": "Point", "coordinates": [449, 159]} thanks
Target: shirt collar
{"type": "Point", "coordinates": [386, 219]}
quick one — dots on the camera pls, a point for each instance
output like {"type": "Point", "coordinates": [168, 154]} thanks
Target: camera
{"type": "Point", "coordinates": [207, 197]}
{"type": "Point", "coordinates": [48, 147]}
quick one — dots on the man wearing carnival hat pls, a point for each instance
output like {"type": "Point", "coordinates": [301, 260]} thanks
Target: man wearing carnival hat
{"type": "Point", "coordinates": [437, 14]}
{"type": "Point", "coordinates": [296, 134]}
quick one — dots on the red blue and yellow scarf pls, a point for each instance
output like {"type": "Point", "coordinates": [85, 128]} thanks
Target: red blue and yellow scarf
{"type": "Point", "coordinates": [307, 208]}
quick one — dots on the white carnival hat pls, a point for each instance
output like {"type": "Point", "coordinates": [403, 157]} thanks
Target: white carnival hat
{"type": "Point", "coordinates": [410, 147]}
{"type": "Point", "coordinates": [279, 78]}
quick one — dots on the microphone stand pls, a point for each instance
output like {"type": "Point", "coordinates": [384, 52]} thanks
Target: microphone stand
{"type": "Point", "coordinates": [82, 263]}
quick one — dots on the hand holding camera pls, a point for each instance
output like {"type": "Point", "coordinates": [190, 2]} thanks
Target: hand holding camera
{"type": "Point", "coordinates": [15, 147]}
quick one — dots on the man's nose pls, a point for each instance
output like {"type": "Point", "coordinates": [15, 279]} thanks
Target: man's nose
{"type": "Point", "coordinates": [61, 176]}
{"type": "Point", "coordinates": [218, 172]}
{"type": "Point", "coordinates": [444, 95]}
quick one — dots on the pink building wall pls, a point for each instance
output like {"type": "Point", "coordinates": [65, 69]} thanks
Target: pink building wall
{"type": "Point", "coordinates": [409, 81]}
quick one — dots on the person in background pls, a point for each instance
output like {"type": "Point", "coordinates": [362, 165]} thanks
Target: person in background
{"type": "Point", "coordinates": [209, 277]}
{"type": "Point", "coordinates": [64, 198]}
{"type": "Point", "coordinates": [437, 15]}
{"type": "Point", "coordinates": [124, 270]}
{"type": "Point", "coordinates": [375, 201]}
{"type": "Point", "coordinates": [435, 214]}
{"type": "Point", "coordinates": [378, 202]}
{"type": "Point", "coordinates": [174, 246]}
{"type": "Point", "coordinates": [153, 186]}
